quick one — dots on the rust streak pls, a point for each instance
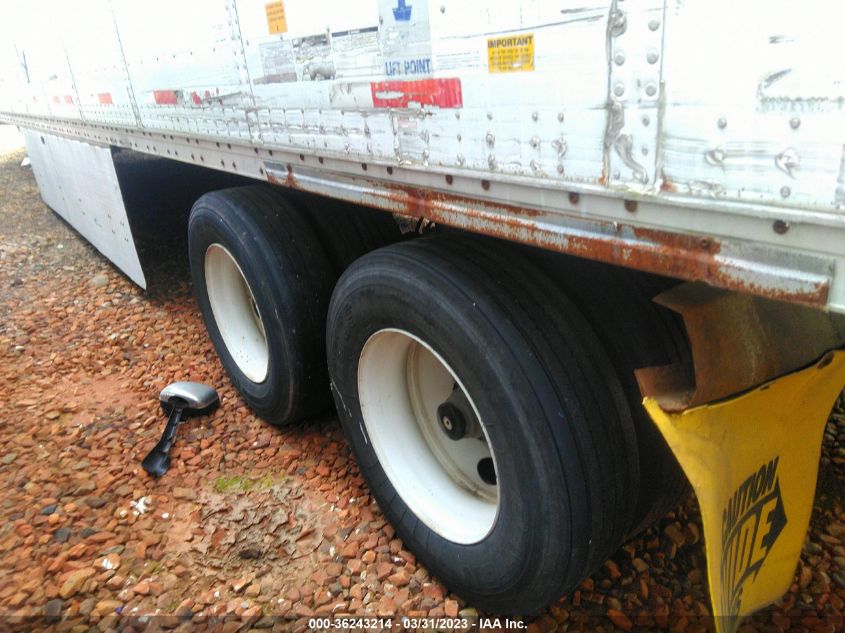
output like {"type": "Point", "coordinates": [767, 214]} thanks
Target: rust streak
{"type": "Point", "coordinates": [289, 180]}
{"type": "Point", "coordinates": [817, 297]}
{"type": "Point", "coordinates": [693, 258]}
{"type": "Point", "coordinates": [668, 185]}
{"type": "Point", "coordinates": [773, 339]}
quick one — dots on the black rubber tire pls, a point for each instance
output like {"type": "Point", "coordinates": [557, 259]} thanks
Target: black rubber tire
{"type": "Point", "coordinates": [552, 407]}
{"type": "Point", "coordinates": [346, 231]}
{"type": "Point", "coordinates": [636, 333]}
{"type": "Point", "coordinates": [291, 280]}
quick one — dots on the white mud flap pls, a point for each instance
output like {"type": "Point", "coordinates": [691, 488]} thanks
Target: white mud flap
{"type": "Point", "coordinates": [753, 462]}
{"type": "Point", "coordinates": [78, 181]}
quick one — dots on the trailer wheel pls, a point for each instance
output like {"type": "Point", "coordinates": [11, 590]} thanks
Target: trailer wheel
{"type": "Point", "coordinates": [263, 283]}
{"type": "Point", "coordinates": [485, 418]}
{"type": "Point", "coordinates": [635, 332]}
{"type": "Point", "coordinates": [346, 231]}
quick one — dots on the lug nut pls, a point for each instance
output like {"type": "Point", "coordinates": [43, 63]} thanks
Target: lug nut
{"type": "Point", "coordinates": [452, 421]}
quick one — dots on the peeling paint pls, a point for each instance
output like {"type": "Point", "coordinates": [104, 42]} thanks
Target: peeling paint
{"type": "Point", "coordinates": [787, 161]}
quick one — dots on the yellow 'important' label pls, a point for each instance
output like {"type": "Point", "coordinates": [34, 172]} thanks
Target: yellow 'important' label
{"type": "Point", "coordinates": [753, 462]}
{"type": "Point", "coordinates": [510, 53]}
{"type": "Point", "coordinates": [276, 21]}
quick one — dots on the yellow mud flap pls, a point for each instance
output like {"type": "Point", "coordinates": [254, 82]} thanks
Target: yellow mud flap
{"type": "Point", "coordinates": [753, 462]}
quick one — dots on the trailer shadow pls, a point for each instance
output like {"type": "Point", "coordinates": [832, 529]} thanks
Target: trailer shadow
{"type": "Point", "coordinates": [158, 194]}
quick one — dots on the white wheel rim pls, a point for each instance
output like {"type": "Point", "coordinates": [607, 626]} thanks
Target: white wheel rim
{"type": "Point", "coordinates": [401, 382]}
{"type": "Point", "coordinates": [236, 313]}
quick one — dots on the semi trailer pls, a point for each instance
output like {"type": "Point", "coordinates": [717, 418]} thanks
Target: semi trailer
{"type": "Point", "coordinates": [621, 273]}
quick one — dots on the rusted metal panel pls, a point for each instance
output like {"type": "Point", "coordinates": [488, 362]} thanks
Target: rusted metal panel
{"type": "Point", "coordinates": [721, 263]}
{"type": "Point", "coordinates": [738, 342]}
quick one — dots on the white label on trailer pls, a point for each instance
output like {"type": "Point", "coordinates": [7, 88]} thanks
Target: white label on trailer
{"type": "Point", "coordinates": [355, 52]}
{"type": "Point", "coordinates": [405, 38]}
{"type": "Point", "coordinates": [463, 54]}
{"type": "Point", "coordinates": [277, 62]}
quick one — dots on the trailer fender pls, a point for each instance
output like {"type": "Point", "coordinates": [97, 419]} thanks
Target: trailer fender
{"type": "Point", "coordinates": [753, 462]}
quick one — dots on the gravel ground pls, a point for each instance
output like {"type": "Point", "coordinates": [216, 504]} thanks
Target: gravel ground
{"type": "Point", "coordinates": [252, 525]}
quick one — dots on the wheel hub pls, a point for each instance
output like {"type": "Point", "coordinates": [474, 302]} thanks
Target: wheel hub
{"type": "Point", "coordinates": [452, 421]}
{"type": "Point", "coordinates": [428, 436]}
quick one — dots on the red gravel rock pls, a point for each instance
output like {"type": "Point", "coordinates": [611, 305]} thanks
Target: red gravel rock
{"type": "Point", "coordinates": [104, 607]}
{"type": "Point", "coordinates": [400, 578]}
{"type": "Point", "coordinates": [184, 493]}
{"type": "Point", "coordinates": [675, 534]}
{"type": "Point", "coordinates": [383, 570]}
{"type": "Point", "coordinates": [386, 607]}
{"type": "Point", "coordinates": [142, 588]}
{"type": "Point", "coordinates": [110, 562]}
{"type": "Point", "coordinates": [74, 580]}
{"type": "Point", "coordinates": [619, 619]}
{"type": "Point", "coordinates": [350, 550]}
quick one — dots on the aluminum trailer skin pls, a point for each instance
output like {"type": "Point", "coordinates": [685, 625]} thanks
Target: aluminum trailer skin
{"type": "Point", "coordinates": [702, 140]}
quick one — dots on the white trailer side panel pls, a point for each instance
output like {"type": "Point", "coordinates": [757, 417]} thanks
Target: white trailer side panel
{"type": "Point", "coordinates": [701, 139]}
{"type": "Point", "coordinates": [186, 67]}
{"type": "Point", "coordinates": [78, 181]}
{"type": "Point", "coordinates": [101, 78]}
{"type": "Point", "coordinates": [754, 104]}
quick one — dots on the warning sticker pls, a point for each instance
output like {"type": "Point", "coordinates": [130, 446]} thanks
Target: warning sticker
{"type": "Point", "coordinates": [510, 53]}
{"type": "Point", "coordinates": [276, 21]}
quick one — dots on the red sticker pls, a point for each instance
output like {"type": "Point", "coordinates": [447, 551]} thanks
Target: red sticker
{"type": "Point", "coordinates": [445, 93]}
{"type": "Point", "coordinates": [105, 98]}
{"type": "Point", "coordinates": [69, 99]}
{"type": "Point", "coordinates": [165, 97]}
